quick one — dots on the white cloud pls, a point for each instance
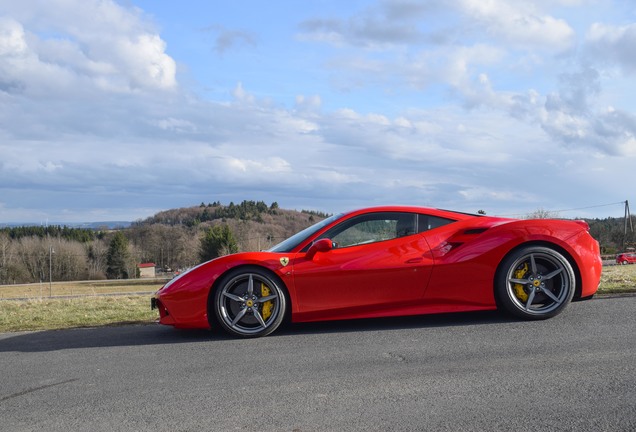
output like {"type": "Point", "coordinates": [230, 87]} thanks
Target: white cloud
{"type": "Point", "coordinates": [227, 39]}
{"type": "Point", "coordinates": [12, 41]}
{"type": "Point", "coordinates": [237, 168]}
{"type": "Point", "coordinates": [308, 103]}
{"type": "Point", "coordinates": [613, 44]}
{"type": "Point", "coordinates": [402, 23]}
{"type": "Point", "coordinates": [98, 46]}
{"type": "Point", "coordinates": [520, 24]}
{"type": "Point", "coordinates": [241, 95]}
{"type": "Point", "coordinates": [177, 125]}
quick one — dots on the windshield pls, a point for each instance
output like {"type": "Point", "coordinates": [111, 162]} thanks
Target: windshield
{"type": "Point", "coordinates": [293, 241]}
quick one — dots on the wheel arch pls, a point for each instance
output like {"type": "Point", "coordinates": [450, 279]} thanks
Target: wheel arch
{"type": "Point", "coordinates": [245, 267]}
{"type": "Point", "coordinates": [567, 255]}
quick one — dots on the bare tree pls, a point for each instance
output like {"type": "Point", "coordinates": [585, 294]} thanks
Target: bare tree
{"type": "Point", "coordinates": [11, 270]}
{"type": "Point", "coordinates": [96, 252]}
{"type": "Point", "coordinates": [541, 213]}
{"type": "Point", "coordinates": [33, 253]}
{"type": "Point", "coordinates": [187, 250]}
{"type": "Point", "coordinates": [69, 260]}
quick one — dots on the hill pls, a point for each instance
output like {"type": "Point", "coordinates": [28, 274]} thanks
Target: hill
{"type": "Point", "coordinates": [255, 225]}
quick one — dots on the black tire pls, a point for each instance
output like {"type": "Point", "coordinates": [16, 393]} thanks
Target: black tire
{"type": "Point", "coordinates": [535, 283]}
{"type": "Point", "coordinates": [249, 302]}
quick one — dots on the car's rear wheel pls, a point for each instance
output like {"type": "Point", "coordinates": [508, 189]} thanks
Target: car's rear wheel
{"type": "Point", "coordinates": [535, 282]}
{"type": "Point", "coordinates": [250, 302]}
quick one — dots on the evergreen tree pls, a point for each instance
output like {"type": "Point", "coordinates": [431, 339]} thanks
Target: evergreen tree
{"type": "Point", "coordinates": [118, 257]}
{"type": "Point", "coordinates": [217, 241]}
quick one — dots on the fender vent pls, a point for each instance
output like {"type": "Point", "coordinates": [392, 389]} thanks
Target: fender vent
{"type": "Point", "coordinates": [474, 231]}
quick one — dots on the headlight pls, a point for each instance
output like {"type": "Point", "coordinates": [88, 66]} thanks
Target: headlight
{"type": "Point", "coordinates": [179, 276]}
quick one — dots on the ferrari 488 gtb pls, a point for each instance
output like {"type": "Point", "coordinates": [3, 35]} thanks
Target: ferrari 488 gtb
{"type": "Point", "coordinates": [390, 261]}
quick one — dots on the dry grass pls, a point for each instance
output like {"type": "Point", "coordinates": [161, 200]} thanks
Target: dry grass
{"type": "Point", "coordinates": [50, 314]}
{"type": "Point", "coordinates": [618, 279]}
{"type": "Point", "coordinates": [80, 288]}
{"type": "Point", "coordinates": [89, 307]}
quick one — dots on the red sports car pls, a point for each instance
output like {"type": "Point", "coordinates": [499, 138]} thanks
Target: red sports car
{"type": "Point", "coordinates": [626, 258]}
{"type": "Point", "coordinates": [390, 261]}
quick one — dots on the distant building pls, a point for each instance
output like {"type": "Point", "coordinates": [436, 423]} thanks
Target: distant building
{"type": "Point", "coordinates": [147, 270]}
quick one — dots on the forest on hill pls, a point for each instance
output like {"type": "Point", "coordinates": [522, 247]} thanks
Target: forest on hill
{"type": "Point", "coordinates": [180, 238]}
{"type": "Point", "coordinates": [172, 239]}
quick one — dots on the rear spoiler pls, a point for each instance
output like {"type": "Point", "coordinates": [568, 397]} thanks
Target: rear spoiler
{"type": "Point", "coordinates": [583, 224]}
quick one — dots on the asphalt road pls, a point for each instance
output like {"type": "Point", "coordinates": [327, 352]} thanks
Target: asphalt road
{"type": "Point", "coordinates": [477, 371]}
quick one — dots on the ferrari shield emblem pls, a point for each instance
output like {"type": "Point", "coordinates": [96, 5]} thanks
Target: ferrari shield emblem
{"type": "Point", "coordinates": [284, 261]}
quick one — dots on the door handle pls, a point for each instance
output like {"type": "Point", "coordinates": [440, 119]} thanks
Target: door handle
{"type": "Point", "coordinates": [415, 260]}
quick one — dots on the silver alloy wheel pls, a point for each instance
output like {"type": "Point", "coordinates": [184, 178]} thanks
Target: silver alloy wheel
{"type": "Point", "coordinates": [250, 303]}
{"type": "Point", "coordinates": [536, 282]}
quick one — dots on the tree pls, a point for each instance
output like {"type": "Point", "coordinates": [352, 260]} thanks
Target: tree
{"type": "Point", "coordinates": [217, 241]}
{"type": "Point", "coordinates": [541, 213]}
{"type": "Point", "coordinates": [118, 257]}
{"type": "Point", "coordinates": [68, 260]}
{"type": "Point", "coordinates": [11, 268]}
{"type": "Point", "coordinates": [33, 253]}
{"type": "Point", "coordinates": [97, 255]}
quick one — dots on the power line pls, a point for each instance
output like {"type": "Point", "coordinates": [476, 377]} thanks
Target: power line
{"type": "Point", "coordinates": [572, 209]}
{"type": "Point", "coordinates": [594, 206]}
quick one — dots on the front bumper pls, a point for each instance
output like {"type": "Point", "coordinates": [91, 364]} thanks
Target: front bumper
{"type": "Point", "coordinates": [164, 315]}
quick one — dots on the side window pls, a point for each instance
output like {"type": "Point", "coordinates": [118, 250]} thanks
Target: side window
{"type": "Point", "coordinates": [426, 222]}
{"type": "Point", "coordinates": [376, 227]}
{"type": "Point", "coordinates": [373, 227]}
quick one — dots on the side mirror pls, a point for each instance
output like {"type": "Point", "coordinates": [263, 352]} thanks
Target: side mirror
{"type": "Point", "coordinates": [322, 245]}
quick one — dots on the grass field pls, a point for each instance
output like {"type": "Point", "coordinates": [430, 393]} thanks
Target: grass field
{"type": "Point", "coordinates": [77, 304]}
{"type": "Point", "coordinates": [618, 279]}
{"type": "Point", "coordinates": [60, 313]}
{"type": "Point", "coordinates": [80, 288]}
{"type": "Point", "coordinates": [92, 308]}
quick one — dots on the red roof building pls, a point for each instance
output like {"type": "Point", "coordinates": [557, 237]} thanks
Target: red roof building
{"type": "Point", "coordinates": [147, 270]}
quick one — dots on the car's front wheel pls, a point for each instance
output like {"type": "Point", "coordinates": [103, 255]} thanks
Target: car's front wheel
{"type": "Point", "coordinates": [250, 302]}
{"type": "Point", "coordinates": [535, 282]}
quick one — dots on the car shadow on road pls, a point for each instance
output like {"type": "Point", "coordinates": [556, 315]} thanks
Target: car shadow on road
{"type": "Point", "coordinates": [396, 323]}
{"type": "Point", "coordinates": [140, 335]}
{"type": "Point", "coordinates": [95, 337]}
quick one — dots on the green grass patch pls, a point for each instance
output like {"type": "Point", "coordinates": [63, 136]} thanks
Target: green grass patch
{"type": "Point", "coordinates": [52, 314]}
{"type": "Point", "coordinates": [618, 279]}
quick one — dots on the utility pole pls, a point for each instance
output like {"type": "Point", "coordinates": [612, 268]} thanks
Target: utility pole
{"type": "Point", "coordinates": [628, 216]}
{"type": "Point", "coordinates": [51, 252]}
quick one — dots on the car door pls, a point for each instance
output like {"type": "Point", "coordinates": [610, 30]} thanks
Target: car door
{"type": "Point", "coordinates": [379, 262]}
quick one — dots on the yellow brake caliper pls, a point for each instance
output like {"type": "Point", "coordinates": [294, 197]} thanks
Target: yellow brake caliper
{"type": "Point", "coordinates": [266, 312]}
{"type": "Point", "coordinates": [519, 291]}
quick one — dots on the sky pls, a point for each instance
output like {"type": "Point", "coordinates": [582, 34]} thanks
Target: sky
{"type": "Point", "coordinates": [116, 110]}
